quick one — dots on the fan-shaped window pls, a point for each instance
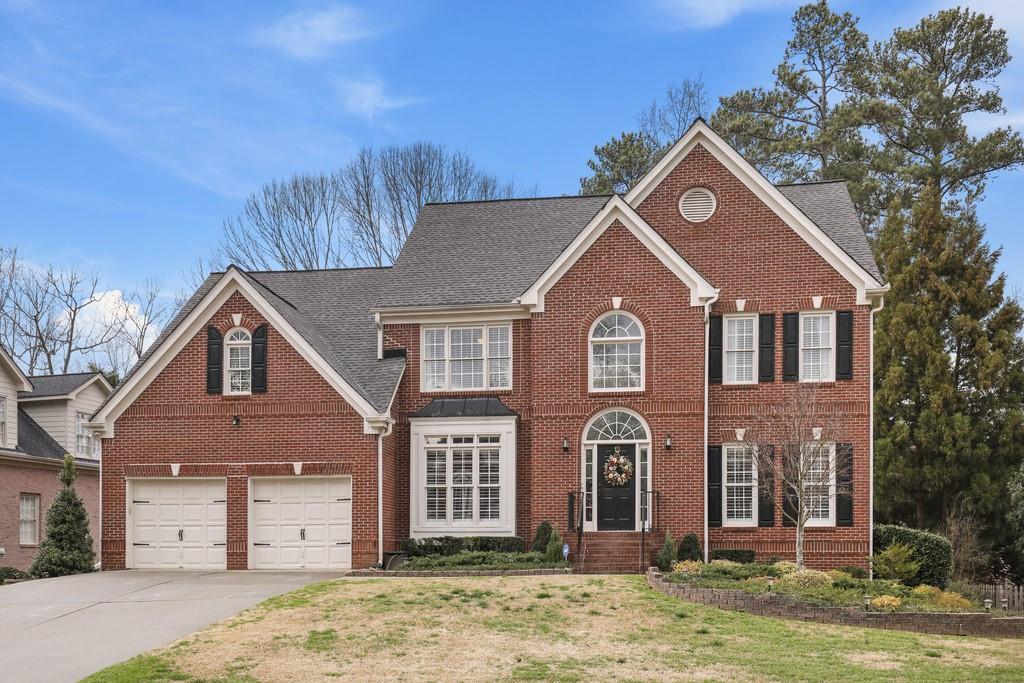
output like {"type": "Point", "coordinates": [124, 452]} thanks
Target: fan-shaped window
{"type": "Point", "coordinates": [617, 353]}
{"type": "Point", "coordinates": [617, 425]}
{"type": "Point", "coordinates": [697, 204]}
{"type": "Point", "coordinates": [238, 350]}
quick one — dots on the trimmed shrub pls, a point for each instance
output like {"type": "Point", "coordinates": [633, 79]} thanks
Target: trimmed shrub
{"type": "Point", "coordinates": [785, 566]}
{"type": "Point", "coordinates": [688, 567]}
{"type": "Point", "coordinates": [855, 571]}
{"type": "Point", "coordinates": [804, 579]}
{"type": "Point", "coordinates": [553, 553]}
{"type": "Point", "coordinates": [666, 555]}
{"type": "Point", "coordinates": [689, 548]}
{"type": "Point", "coordinates": [725, 569]}
{"type": "Point", "coordinates": [489, 560]}
{"type": "Point", "coordinates": [886, 603]}
{"type": "Point", "coordinates": [451, 545]}
{"type": "Point", "coordinates": [951, 600]}
{"type": "Point", "coordinates": [933, 553]}
{"type": "Point", "coordinates": [741, 555]}
{"type": "Point", "coordinates": [9, 573]}
{"type": "Point", "coordinates": [896, 563]}
{"type": "Point", "coordinates": [541, 537]}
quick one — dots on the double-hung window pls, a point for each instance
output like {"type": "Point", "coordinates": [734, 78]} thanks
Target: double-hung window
{"type": "Point", "coordinates": [817, 346]}
{"type": "Point", "coordinates": [820, 484]}
{"type": "Point", "coordinates": [740, 349]}
{"type": "Point", "coordinates": [28, 519]}
{"type": "Point", "coordinates": [740, 480]}
{"type": "Point", "coordinates": [86, 445]}
{"type": "Point", "coordinates": [238, 349]}
{"type": "Point", "coordinates": [463, 480]}
{"type": "Point", "coordinates": [471, 357]}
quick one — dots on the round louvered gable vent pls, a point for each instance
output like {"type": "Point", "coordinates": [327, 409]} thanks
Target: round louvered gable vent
{"type": "Point", "coordinates": [697, 204]}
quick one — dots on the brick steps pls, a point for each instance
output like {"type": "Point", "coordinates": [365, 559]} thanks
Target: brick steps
{"type": "Point", "coordinates": [614, 552]}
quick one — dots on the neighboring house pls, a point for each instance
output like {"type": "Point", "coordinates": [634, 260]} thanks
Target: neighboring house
{"type": "Point", "coordinates": [31, 456]}
{"type": "Point", "coordinates": [318, 418]}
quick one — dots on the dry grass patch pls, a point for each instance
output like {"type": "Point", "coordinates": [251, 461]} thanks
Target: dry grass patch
{"type": "Point", "coordinates": [550, 628]}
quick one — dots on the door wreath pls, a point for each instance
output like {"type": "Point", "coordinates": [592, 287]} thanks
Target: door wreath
{"type": "Point", "coordinates": [618, 469]}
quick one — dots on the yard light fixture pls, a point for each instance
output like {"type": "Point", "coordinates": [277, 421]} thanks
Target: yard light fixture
{"type": "Point", "coordinates": [988, 605]}
{"type": "Point", "coordinates": [1006, 604]}
{"type": "Point", "coordinates": [771, 582]}
{"type": "Point", "coordinates": [867, 602]}
{"type": "Point", "coordinates": [668, 442]}
{"type": "Point", "coordinates": [565, 444]}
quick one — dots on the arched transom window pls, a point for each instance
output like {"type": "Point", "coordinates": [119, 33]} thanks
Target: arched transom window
{"type": "Point", "coordinates": [617, 425]}
{"type": "Point", "coordinates": [238, 349]}
{"type": "Point", "coordinates": [617, 353]}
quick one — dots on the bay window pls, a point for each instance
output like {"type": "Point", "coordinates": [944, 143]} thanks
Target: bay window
{"type": "Point", "coordinates": [467, 357]}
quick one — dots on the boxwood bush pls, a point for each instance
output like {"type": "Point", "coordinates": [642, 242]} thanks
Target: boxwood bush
{"type": "Point", "coordinates": [481, 560]}
{"type": "Point", "coordinates": [741, 555]}
{"type": "Point", "coordinates": [689, 548]}
{"type": "Point", "coordinates": [451, 545]}
{"type": "Point", "coordinates": [933, 553]}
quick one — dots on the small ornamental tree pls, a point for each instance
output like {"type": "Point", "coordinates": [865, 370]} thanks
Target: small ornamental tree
{"type": "Point", "coordinates": [67, 546]}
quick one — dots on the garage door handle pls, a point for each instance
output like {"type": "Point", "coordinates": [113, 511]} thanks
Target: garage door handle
{"type": "Point", "coordinates": [181, 534]}
{"type": "Point", "coordinates": [261, 500]}
{"type": "Point", "coordinates": [217, 545]}
{"type": "Point", "coordinates": [220, 501]}
{"type": "Point", "coordinates": [139, 545]}
{"type": "Point", "coordinates": [343, 543]}
{"type": "Point", "coordinates": [140, 501]}
{"type": "Point", "coordinates": [267, 544]}
{"type": "Point", "coordinates": [342, 500]}
{"type": "Point", "coordinates": [302, 534]}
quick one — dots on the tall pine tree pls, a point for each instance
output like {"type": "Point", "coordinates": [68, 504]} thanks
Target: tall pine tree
{"type": "Point", "coordinates": [949, 370]}
{"type": "Point", "coordinates": [67, 547]}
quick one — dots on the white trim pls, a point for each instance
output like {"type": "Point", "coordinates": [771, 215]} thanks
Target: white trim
{"type": "Point", "coordinates": [831, 521]}
{"type": "Point", "coordinates": [832, 350]}
{"type": "Point", "coordinates": [443, 315]}
{"type": "Point", "coordinates": [232, 281]}
{"type": "Point", "coordinates": [702, 134]}
{"type": "Point", "coordinates": [616, 340]}
{"type": "Point", "coordinates": [228, 344]}
{"type": "Point", "coordinates": [687, 193]}
{"type": "Point", "coordinates": [878, 306]}
{"type": "Point", "coordinates": [725, 348]}
{"type": "Point", "coordinates": [26, 383]}
{"type": "Point", "coordinates": [755, 494]}
{"type": "Point", "coordinates": [586, 443]}
{"type": "Point", "coordinates": [617, 209]}
{"type": "Point", "coordinates": [486, 327]}
{"type": "Point", "coordinates": [107, 389]}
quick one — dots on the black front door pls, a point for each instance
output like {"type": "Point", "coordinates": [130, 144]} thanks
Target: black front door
{"type": "Point", "coordinates": [616, 504]}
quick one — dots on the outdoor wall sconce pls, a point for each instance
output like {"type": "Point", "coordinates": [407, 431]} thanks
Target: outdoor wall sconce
{"type": "Point", "coordinates": [236, 420]}
{"type": "Point", "coordinates": [988, 605]}
{"type": "Point", "coordinates": [565, 444]}
{"type": "Point", "coordinates": [668, 442]}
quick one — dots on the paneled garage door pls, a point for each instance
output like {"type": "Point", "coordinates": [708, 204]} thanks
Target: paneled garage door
{"type": "Point", "coordinates": [177, 524]}
{"type": "Point", "coordinates": [301, 523]}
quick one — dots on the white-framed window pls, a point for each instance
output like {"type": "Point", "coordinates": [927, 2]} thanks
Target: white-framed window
{"type": "Point", "coordinates": [739, 477]}
{"type": "Point", "coordinates": [238, 361]}
{"type": "Point", "coordinates": [617, 353]}
{"type": "Point", "coordinates": [462, 476]}
{"type": "Point", "coordinates": [817, 346]}
{"type": "Point", "coordinates": [820, 485]}
{"type": "Point", "coordinates": [28, 519]}
{"type": "Point", "coordinates": [740, 349]}
{"type": "Point", "coordinates": [467, 357]}
{"type": "Point", "coordinates": [3, 421]}
{"type": "Point", "coordinates": [86, 445]}
{"type": "Point", "coordinates": [617, 426]}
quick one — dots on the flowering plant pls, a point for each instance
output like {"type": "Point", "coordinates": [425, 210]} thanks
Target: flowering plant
{"type": "Point", "coordinates": [618, 469]}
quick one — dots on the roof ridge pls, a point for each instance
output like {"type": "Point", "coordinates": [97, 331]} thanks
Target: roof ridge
{"type": "Point", "coordinates": [311, 270]}
{"type": "Point", "coordinates": [522, 199]}
{"type": "Point", "coordinates": [65, 374]}
{"type": "Point", "coordinates": [811, 182]}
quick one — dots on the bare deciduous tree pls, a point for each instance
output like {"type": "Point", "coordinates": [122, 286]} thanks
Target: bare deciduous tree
{"type": "Point", "coordinates": [80, 328]}
{"type": "Point", "coordinates": [794, 445]}
{"type": "Point", "coordinates": [662, 124]}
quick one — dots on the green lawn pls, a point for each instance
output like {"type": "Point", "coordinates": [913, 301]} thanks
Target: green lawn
{"type": "Point", "coordinates": [545, 628]}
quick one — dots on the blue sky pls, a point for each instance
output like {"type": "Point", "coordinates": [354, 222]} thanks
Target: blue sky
{"type": "Point", "coordinates": [131, 129]}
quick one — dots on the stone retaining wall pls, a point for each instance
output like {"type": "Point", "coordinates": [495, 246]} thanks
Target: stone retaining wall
{"type": "Point", "coordinates": [785, 607]}
{"type": "Point", "coordinates": [458, 572]}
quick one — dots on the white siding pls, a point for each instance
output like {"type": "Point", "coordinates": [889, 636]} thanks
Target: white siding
{"type": "Point", "coordinates": [87, 401]}
{"type": "Point", "coordinates": [9, 389]}
{"type": "Point", "coordinates": [53, 417]}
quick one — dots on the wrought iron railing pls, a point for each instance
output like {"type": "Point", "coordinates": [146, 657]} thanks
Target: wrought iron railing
{"type": "Point", "coordinates": [576, 512]}
{"type": "Point", "coordinates": [650, 520]}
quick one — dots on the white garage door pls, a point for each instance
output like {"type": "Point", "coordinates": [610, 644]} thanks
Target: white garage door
{"type": "Point", "coordinates": [301, 523]}
{"type": "Point", "coordinates": [178, 524]}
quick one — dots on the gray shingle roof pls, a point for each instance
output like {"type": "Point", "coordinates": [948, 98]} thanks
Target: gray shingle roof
{"type": "Point", "coordinates": [830, 206]}
{"type": "Point", "coordinates": [56, 385]}
{"type": "Point", "coordinates": [481, 406]}
{"type": "Point", "coordinates": [34, 440]}
{"type": "Point", "coordinates": [484, 252]}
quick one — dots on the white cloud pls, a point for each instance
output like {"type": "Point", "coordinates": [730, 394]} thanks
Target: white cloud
{"type": "Point", "coordinates": [367, 98]}
{"type": "Point", "coordinates": [713, 13]}
{"type": "Point", "coordinates": [310, 35]}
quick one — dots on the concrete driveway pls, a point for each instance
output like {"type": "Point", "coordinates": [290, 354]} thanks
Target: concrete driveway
{"type": "Point", "coordinates": [66, 628]}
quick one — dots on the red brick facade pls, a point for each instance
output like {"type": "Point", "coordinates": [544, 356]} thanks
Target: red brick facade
{"type": "Point", "coordinates": [745, 250]}
{"type": "Point", "coordinates": [39, 479]}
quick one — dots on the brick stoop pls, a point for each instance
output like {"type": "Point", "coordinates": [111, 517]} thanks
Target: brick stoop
{"type": "Point", "coordinates": [614, 552]}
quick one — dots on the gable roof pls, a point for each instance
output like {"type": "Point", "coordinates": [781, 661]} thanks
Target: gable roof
{"type": "Point", "coordinates": [324, 313]}
{"type": "Point", "coordinates": [7, 360]}
{"type": "Point", "coordinates": [61, 386]}
{"type": "Point", "coordinates": [34, 440]}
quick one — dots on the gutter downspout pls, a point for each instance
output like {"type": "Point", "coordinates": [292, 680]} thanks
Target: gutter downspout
{"type": "Point", "coordinates": [871, 433]}
{"type": "Point", "coordinates": [380, 493]}
{"type": "Point", "coordinates": [707, 393]}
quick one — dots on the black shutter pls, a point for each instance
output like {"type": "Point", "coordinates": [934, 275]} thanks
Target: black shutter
{"type": "Point", "coordinates": [844, 484]}
{"type": "Point", "coordinates": [766, 490]}
{"type": "Point", "coordinates": [714, 473]}
{"type": "Point", "coordinates": [259, 360]}
{"type": "Point", "coordinates": [766, 348]}
{"type": "Point", "coordinates": [844, 345]}
{"type": "Point", "coordinates": [790, 347]}
{"type": "Point", "coordinates": [715, 350]}
{"type": "Point", "coordinates": [789, 493]}
{"type": "Point", "coordinates": [214, 360]}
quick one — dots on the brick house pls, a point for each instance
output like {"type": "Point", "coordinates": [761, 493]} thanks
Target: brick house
{"type": "Point", "coordinates": [479, 386]}
{"type": "Point", "coordinates": [41, 419]}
